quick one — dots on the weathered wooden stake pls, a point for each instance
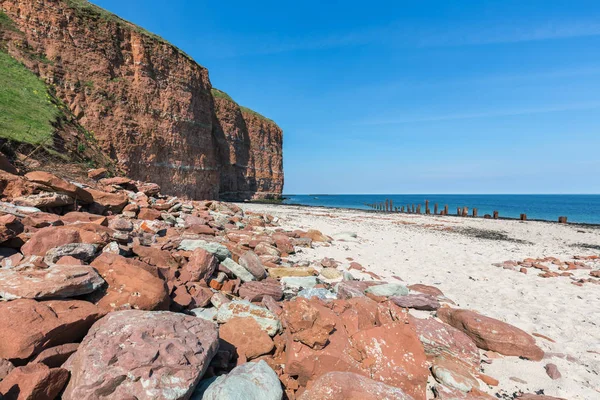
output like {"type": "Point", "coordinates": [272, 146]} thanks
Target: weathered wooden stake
{"type": "Point", "coordinates": [458, 211]}
{"type": "Point", "coordinates": [435, 209]}
{"type": "Point", "coordinates": [387, 205]}
{"type": "Point", "coordinates": [418, 209]}
{"type": "Point", "coordinates": [495, 214]}
{"type": "Point", "coordinates": [392, 205]}
{"type": "Point", "coordinates": [427, 210]}
{"type": "Point", "coordinates": [475, 212]}
{"type": "Point", "coordinates": [523, 217]}
{"type": "Point", "coordinates": [446, 209]}
{"type": "Point", "coordinates": [562, 220]}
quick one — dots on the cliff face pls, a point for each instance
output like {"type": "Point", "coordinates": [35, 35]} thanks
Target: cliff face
{"type": "Point", "coordinates": [249, 151]}
{"type": "Point", "coordinates": [146, 102]}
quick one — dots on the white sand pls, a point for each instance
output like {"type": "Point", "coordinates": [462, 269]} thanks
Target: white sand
{"type": "Point", "coordinates": [461, 266]}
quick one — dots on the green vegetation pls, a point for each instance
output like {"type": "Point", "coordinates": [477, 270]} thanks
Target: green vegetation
{"type": "Point", "coordinates": [249, 111]}
{"type": "Point", "coordinates": [219, 94]}
{"type": "Point", "coordinates": [222, 95]}
{"type": "Point", "coordinates": [26, 107]}
{"type": "Point", "coordinates": [7, 23]}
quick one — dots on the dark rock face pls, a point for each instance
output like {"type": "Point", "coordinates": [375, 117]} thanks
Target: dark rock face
{"type": "Point", "coordinates": [147, 103]}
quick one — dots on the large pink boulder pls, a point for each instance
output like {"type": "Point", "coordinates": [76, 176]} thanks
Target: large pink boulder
{"type": "Point", "coordinates": [55, 236]}
{"type": "Point", "coordinates": [59, 185]}
{"type": "Point", "coordinates": [349, 386]}
{"type": "Point", "coordinates": [34, 382]}
{"type": "Point", "coordinates": [492, 334]}
{"type": "Point", "coordinates": [28, 326]}
{"type": "Point", "coordinates": [142, 355]}
{"type": "Point", "coordinates": [10, 226]}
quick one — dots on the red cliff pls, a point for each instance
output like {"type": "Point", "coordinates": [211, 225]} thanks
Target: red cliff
{"type": "Point", "coordinates": [147, 103]}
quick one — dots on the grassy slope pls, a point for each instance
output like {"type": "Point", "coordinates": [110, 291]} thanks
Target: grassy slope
{"type": "Point", "coordinates": [26, 109]}
{"type": "Point", "coordinates": [222, 95]}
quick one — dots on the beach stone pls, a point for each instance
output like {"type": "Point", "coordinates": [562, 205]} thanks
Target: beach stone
{"type": "Point", "coordinates": [218, 299]}
{"type": "Point", "coordinates": [81, 251]}
{"type": "Point", "coordinates": [350, 386]}
{"type": "Point", "coordinates": [201, 265]}
{"type": "Point", "coordinates": [74, 217]}
{"type": "Point", "coordinates": [59, 185]}
{"type": "Point", "coordinates": [454, 374]}
{"type": "Point", "coordinates": [441, 339]}
{"type": "Point", "coordinates": [351, 289]}
{"type": "Point", "coordinates": [251, 381]}
{"type": "Point", "coordinates": [492, 334]}
{"type": "Point", "coordinates": [529, 396]}
{"type": "Point", "coordinates": [131, 284]}
{"type": "Point", "coordinates": [264, 249]}
{"type": "Point", "coordinates": [55, 357]}
{"type": "Point", "coordinates": [552, 371]}
{"type": "Point", "coordinates": [250, 261]}
{"type": "Point", "coordinates": [114, 202]}
{"type": "Point", "coordinates": [308, 322]}
{"type": "Point", "coordinates": [120, 224]}
{"type": "Point", "coordinates": [220, 251]}
{"type": "Point", "coordinates": [346, 236]}
{"type": "Point", "coordinates": [283, 243]}
{"type": "Point", "coordinates": [319, 293]}
{"type": "Point", "coordinates": [241, 308]}
{"type": "Point", "coordinates": [41, 220]}
{"type": "Point", "coordinates": [423, 302]}
{"type": "Point", "coordinates": [141, 354]}
{"type": "Point", "coordinates": [59, 281]}
{"type": "Point", "coordinates": [30, 326]}
{"type": "Point", "coordinates": [256, 291]}
{"type": "Point", "coordinates": [34, 382]}
{"type": "Point", "coordinates": [300, 282]}
{"type": "Point", "coordinates": [10, 227]}
{"type": "Point", "coordinates": [56, 236]}
{"type": "Point", "coordinates": [315, 236]}
{"type": "Point", "coordinates": [238, 270]}
{"type": "Point", "coordinates": [426, 289]}
{"type": "Point", "coordinates": [387, 290]}
{"type": "Point", "coordinates": [284, 272]}
{"type": "Point", "coordinates": [44, 200]}
{"type": "Point", "coordinates": [208, 314]}
{"type": "Point", "coordinates": [148, 214]}
{"type": "Point", "coordinates": [330, 273]}
{"type": "Point", "coordinates": [247, 337]}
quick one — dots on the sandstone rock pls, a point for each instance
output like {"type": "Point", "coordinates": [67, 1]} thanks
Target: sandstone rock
{"type": "Point", "coordinates": [240, 308]}
{"type": "Point", "coordinates": [149, 214]}
{"type": "Point", "coordinates": [59, 281]}
{"type": "Point", "coordinates": [97, 173]}
{"type": "Point", "coordinates": [237, 270]}
{"type": "Point", "coordinates": [56, 236]}
{"type": "Point", "coordinates": [121, 224]}
{"type": "Point", "coordinates": [77, 216]}
{"type": "Point", "coordinates": [156, 257]}
{"type": "Point", "coordinates": [55, 357]}
{"type": "Point", "coordinates": [440, 339]}
{"type": "Point", "coordinates": [491, 334]}
{"type": "Point", "coordinates": [44, 200]}
{"type": "Point", "coordinates": [552, 371]}
{"type": "Point", "coordinates": [267, 250]}
{"type": "Point", "coordinates": [247, 337]}
{"type": "Point", "coordinates": [141, 354]}
{"type": "Point", "coordinates": [201, 265]}
{"type": "Point", "coordinates": [331, 273]}
{"type": "Point", "coordinates": [110, 201]}
{"type": "Point", "coordinates": [387, 290]}
{"type": "Point", "coordinates": [208, 314]}
{"type": "Point", "coordinates": [283, 243]}
{"type": "Point", "coordinates": [350, 386]}
{"type": "Point", "coordinates": [291, 272]}
{"type": "Point", "coordinates": [454, 374]}
{"type": "Point", "coordinates": [350, 289]}
{"type": "Point", "coordinates": [220, 251]}
{"type": "Point", "coordinates": [417, 301]}
{"type": "Point", "coordinates": [320, 293]}
{"type": "Point", "coordinates": [10, 227]}
{"type": "Point", "coordinates": [299, 282]}
{"type": "Point", "coordinates": [251, 381]}
{"type": "Point", "coordinates": [130, 285]}
{"type": "Point", "coordinates": [33, 382]}
{"type": "Point", "coordinates": [60, 185]}
{"type": "Point", "coordinates": [308, 322]}
{"type": "Point", "coordinates": [250, 261]}
{"type": "Point", "coordinates": [80, 251]}
{"type": "Point", "coordinates": [5, 368]}
{"type": "Point", "coordinates": [315, 236]}
{"type": "Point", "coordinates": [256, 291]}
{"type": "Point", "coordinates": [29, 326]}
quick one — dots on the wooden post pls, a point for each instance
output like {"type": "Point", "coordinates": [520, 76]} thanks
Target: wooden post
{"type": "Point", "coordinates": [446, 209]}
{"type": "Point", "coordinates": [458, 211]}
{"type": "Point", "coordinates": [402, 209]}
{"type": "Point", "coordinates": [523, 217]}
{"type": "Point", "coordinates": [418, 209]}
{"type": "Point", "coordinates": [392, 205]}
{"type": "Point", "coordinates": [396, 208]}
{"type": "Point", "coordinates": [474, 212]}
{"type": "Point", "coordinates": [435, 209]}
{"type": "Point", "coordinates": [495, 214]}
{"type": "Point", "coordinates": [427, 210]}
{"type": "Point", "coordinates": [562, 220]}
{"type": "Point", "coordinates": [387, 205]}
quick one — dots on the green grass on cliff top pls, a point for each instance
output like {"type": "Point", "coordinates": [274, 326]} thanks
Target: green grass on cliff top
{"type": "Point", "coordinates": [26, 109]}
{"type": "Point", "coordinates": [6, 23]}
{"type": "Point", "coordinates": [222, 95]}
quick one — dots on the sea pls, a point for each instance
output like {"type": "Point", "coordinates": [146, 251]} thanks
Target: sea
{"type": "Point", "coordinates": [584, 208]}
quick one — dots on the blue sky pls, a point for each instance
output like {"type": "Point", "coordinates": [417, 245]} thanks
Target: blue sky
{"type": "Point", "coordinates": [407, 96]}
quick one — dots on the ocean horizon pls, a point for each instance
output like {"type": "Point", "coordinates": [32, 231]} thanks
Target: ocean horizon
{"type": "Point", "coordinates": [579, 208]}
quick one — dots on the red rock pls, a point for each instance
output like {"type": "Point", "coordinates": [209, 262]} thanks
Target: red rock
{"type": "Point", "coordinates": [492, 334]}
{"type": "Point", "coordinates": [55, 357]}
{"type": "Point", "coordinates": [201, 229]}
{"type": "Point", "coordinates": [34, 382]}
{"type": "Point", "coordinates": [272, 305]}
{"type": "Point", "coordinates": [263, 249]}
{"type": "Point", "coordinates": [250, 261]}
{"type": "Point", "coordinates": [6, 165]}
{"type": "Point", "coordinates": [201, 265]}
{"type": "Point", "coordinates": [41, 220]}
{"type": "Point", "coordinates": [247, 337]}
{"type": "Point", "coordinates": [201, 296]}
{"type": "Point", "coordinates": [552, 371]}
{"type": "Point", "coordinates": [156, 257]}
{"type": "Point", "coordinates": [97, 173]}
{"type": "Point", "coordinates": [308, 322]}
{"type": "Point", "coordinates": [55, 236]}
{"type": "Point", "coordinates": [149, 214]}
{"type": "Point", "coordinates": [256, 291]}
{"type": "Point", "coordinates": [595, 274]}
{"type": "Point", "coordinates": [356, 266]}
{"type": "Point", "coordinates": [315, 236]}
{"type": "Point", "coordinates": [350, 289]}
{"type": "Point", "coordinates": [488, 380]}
{"type": "Point", "coordinates": [110, 201]}
{"type": "Point", "coordinates": [142, 355]}
{"type": "Point", "coordinates": [440, 339]}
{"type": "Point", "coordinates": [181, 297]}
{"type": "Point", "coordinates": [12, 186]}
{"type": "Point", "coordinates": [5, 368]}
{"type": "Point", "coordinates": [131, 285]}
{"type": "Point", "coordinates": [350, 386]}
{"type": "Point", "coordinates": [417, 301]}
{"type": "Point", "coordinates": [59, 185]}
{"type": "Point", "coordinates": [454, 373]}
{"type": "Point", "coordinates": [76, 216]}
{"type": "Point", "coordinates": [283, 243]}
{"type": "Point", "coordinates": [10, 227]}
{"type": "Point", "coordinates": [29, 327]}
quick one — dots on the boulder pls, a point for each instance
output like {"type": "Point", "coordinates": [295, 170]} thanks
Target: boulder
{"type": "Point", "coordinates": [283, 272]}
{"type": "Point", "coordinates": [10, 227]}
{"type": "Point", "coordinates": [131, 284]}
{"type": "Point", "coordinates": [251, 381]}
{"type": "Point", "coordinates": [59, 281]}
{"type": "Point", "coordinates": [220, 251]}
{"type": "Point", "coordinates": [256, 291]}
{"type": "Point", "coordinates": [5, 368]}
{"type": "Point", "coordinates": [113, 202]}
{"type": "Point", "coordinates": [247, 338]}
{"type": "Point", "coordinates": [44, 200]}
{"type": "Point", "coordinates": [29, 326]}
{"type": "Point", "coordinates": [454, 374]}
{"type": "Point", "coordinates": [387, 290]}
{"type": "Point", "coordinates": [149, 214]}
{"type": "Point", "coordinates": [492, 334]}
{"type": "Point", "coordinates": [349, 386]}
{"type": "Point", "coordinates": [56, 236]}
{"type": "Point", "coordinates": [80, 251]}
{"type": "Point", "coordinates": [241, 308]}
{"type": "Point", "coordinates": [250, 261]}
{"type": "Point", "coordinates": [143, 355]}
{"type": "Point", "coordinates": [55, 357]}
{"type": "Point", "coordinates": [41, 220]}
{"type": "Point", "coordinates": [331, 273]}
{"type": "Point", "coordinates": [74, 217]}
{"type": "Point", "coordinates": [201, 265]}
{"type": "Point", "coordinates": [423, 302]}
{"type": "Point", "coordinates": [315, 236]}
{"type": "Point", "coordinates": [156, 257]}
{"type": "Point", "coordinates": [34, 382]}
{"type": "Point", "coordinates": [350, 289]}
{"type": "Point", "coordinates": [97, 174]}
{"type": "Point", "coordinates": [60, 185]}
{"type": "Point", "coordinates": [236, 269]}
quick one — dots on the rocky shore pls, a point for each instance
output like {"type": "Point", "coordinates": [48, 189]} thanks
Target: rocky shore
{"type": "Point", "coordinates": [111, 290]}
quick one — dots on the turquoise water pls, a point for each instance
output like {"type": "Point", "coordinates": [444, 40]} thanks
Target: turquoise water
{"type": "Point", "coordinates": [578, 208]}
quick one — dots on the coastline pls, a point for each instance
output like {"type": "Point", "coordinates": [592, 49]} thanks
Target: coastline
{"type": "Point", "coordinates": [457, 255]}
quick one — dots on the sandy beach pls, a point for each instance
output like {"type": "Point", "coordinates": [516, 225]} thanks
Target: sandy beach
{"type": "Point", "coordinates": [457, 255]}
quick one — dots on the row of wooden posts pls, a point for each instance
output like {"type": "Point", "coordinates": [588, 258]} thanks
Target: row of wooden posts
{"type": "Point", "coordinates": [388, 206]}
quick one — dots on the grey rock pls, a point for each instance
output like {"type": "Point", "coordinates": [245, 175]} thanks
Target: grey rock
{"type": "Point", "coordinates": [238, 270]}
{"type": "Point", "coordinates": [208, 314]}
{"type": "Point", "coordinates": [250, 381]}
{"type": "Point", "coordinates": [241, 308]}
{"type": "Point", "coordinates": [299, 282]}
{"type": "Point", "coordinates": [320, 293]}
{"type": "Point", "coordinates": [80, 251]}
{"type": "Point", "coordinates": [220, 251]}
{"type": "Point", "coordinates": [387, 290]}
